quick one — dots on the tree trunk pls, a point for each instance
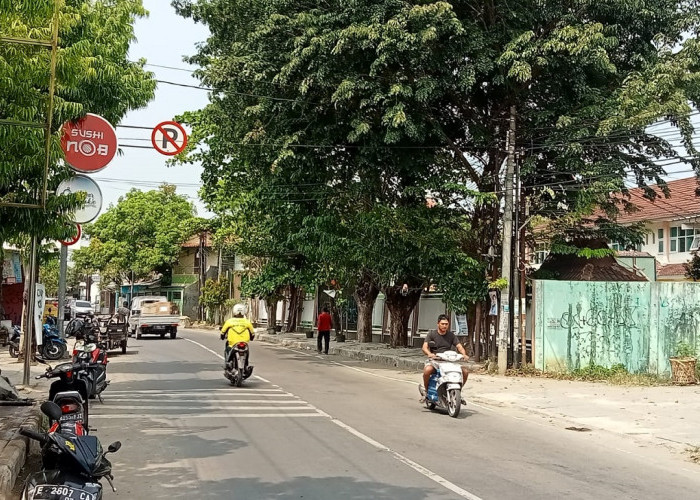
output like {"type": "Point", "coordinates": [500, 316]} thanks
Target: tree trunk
{"type": "Point", "coordinates": [365, 295]}
{"type": "Point", "coordinates": [295, 296]}
{"type": "Point", "coordinates": [335, 316]}
{"type": "Point", "coordinates": [400, 308]}
{"type": "Point", "coordinates": [2, 263]}
{"type": "Point", "coordinates": [271, 306]}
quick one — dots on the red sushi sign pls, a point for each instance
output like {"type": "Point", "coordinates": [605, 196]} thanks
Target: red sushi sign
{"type": "Point", "coordinates": [89, 144]}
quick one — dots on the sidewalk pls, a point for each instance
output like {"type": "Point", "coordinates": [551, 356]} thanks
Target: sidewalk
{"type": "Point", "coordinates": [13, 446]}
{"type": "Point", "coordinates": [664, 415]}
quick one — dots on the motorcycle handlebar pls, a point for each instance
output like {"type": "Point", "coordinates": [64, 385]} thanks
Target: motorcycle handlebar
{"type": "Point", "coordinates": [37, 436]}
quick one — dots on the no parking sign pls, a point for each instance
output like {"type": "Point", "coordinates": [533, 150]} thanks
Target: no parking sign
{"type": "Point", "coordinates": [169, 138]}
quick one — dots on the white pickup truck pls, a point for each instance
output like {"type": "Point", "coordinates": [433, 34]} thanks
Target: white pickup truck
{"type": "Point", "coordinates": [153, 315]}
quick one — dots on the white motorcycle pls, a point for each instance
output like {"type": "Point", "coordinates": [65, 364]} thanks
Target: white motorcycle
{"type": "Point", "coordinates": [445, 386]}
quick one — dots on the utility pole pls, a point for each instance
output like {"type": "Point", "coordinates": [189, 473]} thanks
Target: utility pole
{"type": "Point", "coordinates": [63, 266]}
{"type": "Point", "coordinates": [506, 253]}
{"type": "Point", "coordinates": [29, 324]}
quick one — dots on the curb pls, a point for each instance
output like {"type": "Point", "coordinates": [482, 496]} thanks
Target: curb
{"type": "Point", "coordinates": [359, 354]}
{"type": "Point", "coordinates": [14, 455]}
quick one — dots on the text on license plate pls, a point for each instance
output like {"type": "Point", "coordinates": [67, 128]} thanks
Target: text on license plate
{"type": "Point", "coordinates": [60, 492]}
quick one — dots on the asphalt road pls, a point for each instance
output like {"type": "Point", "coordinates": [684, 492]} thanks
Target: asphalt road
{"type": "Point", "coordinates": [321, 427]}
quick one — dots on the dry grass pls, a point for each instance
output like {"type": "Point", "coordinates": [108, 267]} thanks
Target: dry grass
{"type": "Point", "coordinates": [616, 375]}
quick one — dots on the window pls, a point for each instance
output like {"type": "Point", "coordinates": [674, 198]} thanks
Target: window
{"type": "Point", "coordinates": [661, 240]}
{"type": "Point", "coordinates": [618, 247]}
{"type": "Point", "coordinates": [682, 239]}
{"type": "Point", "coordinates": [540, 253]}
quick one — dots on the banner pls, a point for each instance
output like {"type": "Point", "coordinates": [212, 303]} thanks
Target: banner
{"type": "Point", "coordinates": [40, 299]}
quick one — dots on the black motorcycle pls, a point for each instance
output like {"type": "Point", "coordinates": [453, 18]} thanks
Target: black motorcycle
{"type": "Point", "coordinates": [72, 466]}
{"type": "Point", "coordinates": [70, 392]}
{"type": "Point", "coordinates": [14, 340]}
{"type": "Point", "coordinates": [237, 368]}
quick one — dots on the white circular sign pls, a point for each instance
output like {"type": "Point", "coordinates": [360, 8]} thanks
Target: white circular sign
{"type": "Point", "coordinates": [93, 197]}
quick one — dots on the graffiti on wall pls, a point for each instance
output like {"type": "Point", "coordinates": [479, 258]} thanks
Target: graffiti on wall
{"type": "Point", "coordinates": [679, 316]}
{"type": "Point", "coordinates": [597, 324]}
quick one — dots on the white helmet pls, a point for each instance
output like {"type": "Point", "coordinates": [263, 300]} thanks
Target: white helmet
{"type": "Point", "coordinates": [239, 309]}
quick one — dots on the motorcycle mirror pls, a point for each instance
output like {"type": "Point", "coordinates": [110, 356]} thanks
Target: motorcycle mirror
{"type": "Point", "coordinates": [51, 410]}
{"type": "Point", "coordinates": [114, 447]}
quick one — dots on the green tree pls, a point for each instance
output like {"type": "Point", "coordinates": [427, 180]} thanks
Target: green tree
{"type": "Point", "coordinates": [142, 233]}
{"type": "Point", "coordinates": [355, 108]}
{"type": "Point", "coordinates": [94, 75]}
{"type": "Point", "coordinates": [48, 273]}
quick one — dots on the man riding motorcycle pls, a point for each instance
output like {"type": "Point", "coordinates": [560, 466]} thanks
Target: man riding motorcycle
{"type": "Point", "coordinates": [442, 340]}
{"type": "Point", "coordinates": [237, 329]}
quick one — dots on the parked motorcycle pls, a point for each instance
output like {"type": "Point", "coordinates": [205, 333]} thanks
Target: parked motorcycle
{"type": "Point", "coordinates": [14, 341]}
{"type": "Point", "coordinates": [445, 386]}
{"type": "Point", "coordinates": [94, 356]}
{"type": "Point", "coordinates": [52, 345]}
{"type": "Point", "coordinates": [72, 466]}
{"type": "Point", "coordinates": [237, 368]}
{"type": "Point", "coordinates": [70, 392]}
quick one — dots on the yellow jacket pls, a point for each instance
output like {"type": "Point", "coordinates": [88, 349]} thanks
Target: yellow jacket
{"type": "Point", "coordinates": [239, 330]}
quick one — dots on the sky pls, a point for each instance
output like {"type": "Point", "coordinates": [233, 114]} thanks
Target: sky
{"type": "Point", "coordinates": [163, 39]}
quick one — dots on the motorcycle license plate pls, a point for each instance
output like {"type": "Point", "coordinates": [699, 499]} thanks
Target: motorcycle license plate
{"type": "Point", "coordinates": [71, 417]}
{"type": "Point", "coordinates": [60, 492]}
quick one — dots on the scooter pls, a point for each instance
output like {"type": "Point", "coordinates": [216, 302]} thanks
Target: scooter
{"type": "Point", "coordinates": [445, 386]}
{"type": "Point", "coordinates": [72, 466]}
{"type": "Point", "coordinates": [94, 356]}
{"type": "Point", "coordinates": [14, 340]}
{"type": "Point", "coordinates": [237, 368]}
{"type": "Point", "coordinates": [70, 392]}
{"type": "Point", "coordinates": [52, 345]}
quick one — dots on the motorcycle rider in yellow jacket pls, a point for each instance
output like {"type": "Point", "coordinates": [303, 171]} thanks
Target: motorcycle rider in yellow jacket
{"type": "Point", "coordinates": [237, 329]}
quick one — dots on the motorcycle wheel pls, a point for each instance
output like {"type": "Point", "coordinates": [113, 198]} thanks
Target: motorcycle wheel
{"type": "Point", "coordinates": [14, 351]}
{"type": "Point", "coordinates": [454, 402]}
{"type": "Point", "coordinates": [124, 346]}
{"type": "Point", "coordinates": [54, 350]}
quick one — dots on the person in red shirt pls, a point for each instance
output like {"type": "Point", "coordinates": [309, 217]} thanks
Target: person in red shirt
{"type": "Point", "coordinates": [324, 329]}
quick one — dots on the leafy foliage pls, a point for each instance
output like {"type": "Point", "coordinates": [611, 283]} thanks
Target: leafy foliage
{"type": "Point", "coordinates": [94, 75]}
{"type": "Point", "coordinates": [142, 233]}
{"type": "Point", "coordinates": [692, 268]}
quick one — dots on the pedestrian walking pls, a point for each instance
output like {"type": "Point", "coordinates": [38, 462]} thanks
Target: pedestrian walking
{"type": "Point", "coordinates": [324, 329]}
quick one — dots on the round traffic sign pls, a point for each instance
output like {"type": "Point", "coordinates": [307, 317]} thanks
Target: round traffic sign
{"type": "Point", "coordinates": [89, 144]}
{"type": "Point", "coordinates": [74, 240]}
{"type": "Point", "coordinates": [169, 138]}
{"type": "Point", "coordinates": [93, 197]}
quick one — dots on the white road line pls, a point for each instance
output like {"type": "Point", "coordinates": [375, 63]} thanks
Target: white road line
{"type": "Point", "coordinates": [205, 401]}
{"type": "Point", "coordinates": [197, 392]}
{"type": "Point", "coordinates": [145, 416]}
{"type": "Point", "coordinates": [401, 458]}
{"type": "Point", "coordinates": [197, 397]}
{"type": "Point", "coordinates": [217, 407]}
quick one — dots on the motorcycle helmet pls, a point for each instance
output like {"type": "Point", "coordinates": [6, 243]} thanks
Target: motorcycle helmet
{"type": "Point", "coordinates": [239, 309]}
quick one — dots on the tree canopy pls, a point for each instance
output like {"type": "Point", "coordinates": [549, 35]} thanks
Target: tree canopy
{"type": "Point", "coordinates": [142, 233]}
{"type": "Point", "coordinates": [341, 118]}
{"type": "Point", "coordinates": [93, 75]}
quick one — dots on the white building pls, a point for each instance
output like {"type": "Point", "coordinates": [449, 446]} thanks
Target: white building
{"type": "Point", "coordinates": [673, 224]}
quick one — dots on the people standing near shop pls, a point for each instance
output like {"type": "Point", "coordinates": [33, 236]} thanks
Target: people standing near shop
{"type": "Point", "coordinates": [324, 329]}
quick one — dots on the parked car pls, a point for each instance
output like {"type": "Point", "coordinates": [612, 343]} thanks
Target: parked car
{"type": "Point", "coordinates": [81, 308]}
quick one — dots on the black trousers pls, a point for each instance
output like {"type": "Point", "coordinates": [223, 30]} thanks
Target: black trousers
{"type": "Point", "coordinates": [326, 336]}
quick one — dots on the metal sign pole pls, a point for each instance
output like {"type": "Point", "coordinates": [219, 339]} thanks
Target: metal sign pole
{"type": "Point", "coordinates": [29, 324]}
{"type": "Point", "coordinates": [62, 289]}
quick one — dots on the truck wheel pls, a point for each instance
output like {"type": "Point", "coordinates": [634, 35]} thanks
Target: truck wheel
{"type": "Point", "coordinates": [138, 333]}
{"type": "Point", "coordinates": [173, 333]}
{"type": "Point", "coordinates": [162, 335]}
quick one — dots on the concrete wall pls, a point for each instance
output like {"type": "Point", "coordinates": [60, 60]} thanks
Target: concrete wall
{"type": "Point", "coordinates": [606, 323]}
